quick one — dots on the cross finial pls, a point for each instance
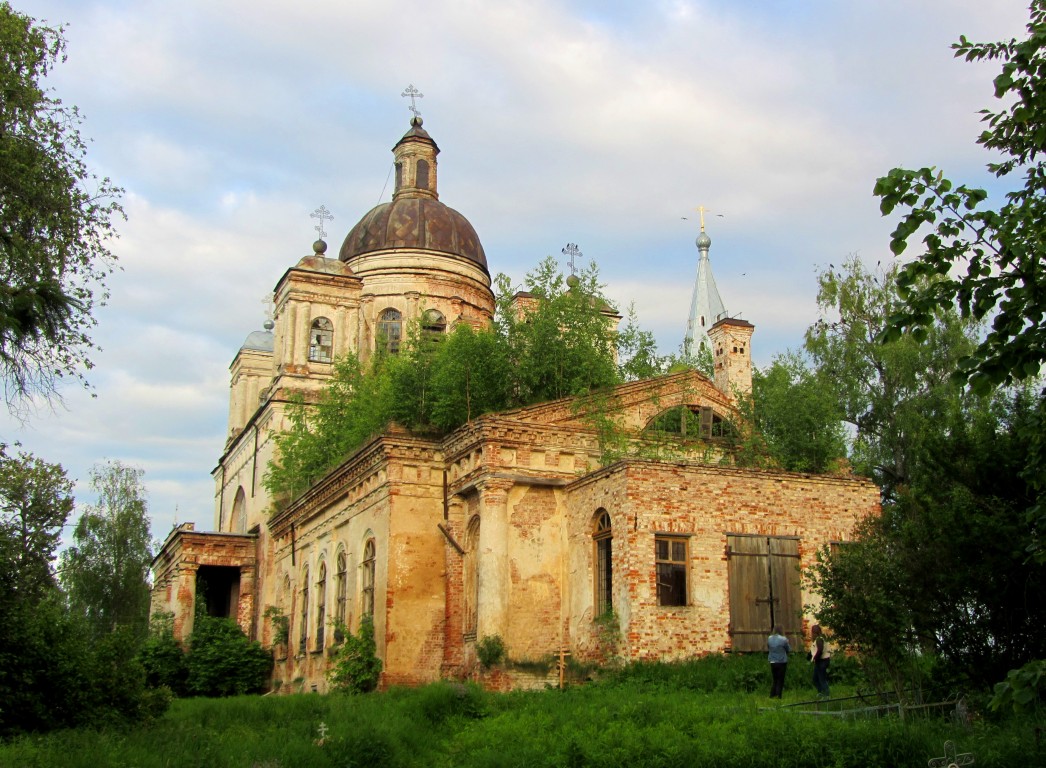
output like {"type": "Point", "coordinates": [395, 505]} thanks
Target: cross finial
{"type": "Point", "coordinates": [322, 214]}
{"type": "Point", "coordinates": [701, 210]}
{"type": "Point", "coordinates": [413, 93]}
{"type": "Point", "coordinates": [571, 251]}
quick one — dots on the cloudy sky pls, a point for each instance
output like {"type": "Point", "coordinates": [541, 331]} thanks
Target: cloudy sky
{"type": "Point", "coordinates": [598, 122]}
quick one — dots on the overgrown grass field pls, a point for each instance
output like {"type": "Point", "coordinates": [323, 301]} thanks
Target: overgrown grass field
{"type": "Point", "coordinates": [712, 712]}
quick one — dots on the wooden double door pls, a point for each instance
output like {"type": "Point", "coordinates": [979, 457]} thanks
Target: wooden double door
{"type": "Point", "coordinates": [764, 577]}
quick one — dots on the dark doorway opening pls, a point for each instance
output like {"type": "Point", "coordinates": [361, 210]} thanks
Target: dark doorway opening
{"type": "Point", "coordinates": [218, 587]}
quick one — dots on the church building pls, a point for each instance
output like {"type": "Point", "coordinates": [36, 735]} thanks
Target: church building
{"type": "Point", "coordinates": [509, 526]}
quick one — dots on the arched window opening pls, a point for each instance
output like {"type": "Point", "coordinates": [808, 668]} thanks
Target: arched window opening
{"type": "Point", "coordinates": [343, 578]}
{"type": "Point", "coordinates": [433, 324]}
{"type": "Point", "coordinates": [470, 578]}
{"type": "Point", "coordinates": [303, 637]}
{"type": "Point", "coordinates": [691, 422]}
{"type": "Point", "coordinates": [367, 578]}
{"type": "Point", "coordinates": [422, 181]}
{"type": "Point", "coordinates": [321, 341]}
{"type": "Point", "coordinates": [321, 605]}
{"type": "Point", "coordinates": [604, 581]}
{"type": "Point", "coordinates": [390, 329]}
{"type": "Point", "coordinates": [238, 519]}
{"type": "Point", "coordinates": [399, 176]}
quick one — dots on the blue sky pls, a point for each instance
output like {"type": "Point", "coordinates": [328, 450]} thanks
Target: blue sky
{"type": "Point", "coordinates": [596, 123]}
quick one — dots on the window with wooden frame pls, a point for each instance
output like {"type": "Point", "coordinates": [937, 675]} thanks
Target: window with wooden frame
{"type": "Point", "coordinates": [367, 578]}
{"type": "Point", "coordinates": [342, 586]}
{"type": "Point", "coordinates": [671, 557]}
{"type": "Point", "coordinates": [321, 605]}
{"type": "Point", "coordinates": [604, 575]}
{"type": "Point", "coordinates": [303, 638]}
{"type": "Point", "coordinates": [470, 579]}
{"type": "Point", "coordinates": [321, 341]}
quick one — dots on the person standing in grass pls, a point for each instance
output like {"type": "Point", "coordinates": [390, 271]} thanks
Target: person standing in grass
{"type": "Point", "coordinates": [777, 645]}
{"type": "Point", "coordinates": [821, 656]}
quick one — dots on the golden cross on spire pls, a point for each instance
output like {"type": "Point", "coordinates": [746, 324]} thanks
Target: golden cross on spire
{"type": "Point", "coordinates": [701, 210]}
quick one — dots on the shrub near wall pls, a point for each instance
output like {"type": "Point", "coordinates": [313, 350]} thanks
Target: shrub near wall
{"type": "Point", "coordinates": [222, 661]}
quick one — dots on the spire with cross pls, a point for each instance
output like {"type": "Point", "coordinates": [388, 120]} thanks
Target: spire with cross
{"type": "Point", "coordinates": [413, 93]}
{"type": "Point", "coordinates": [571, 251]}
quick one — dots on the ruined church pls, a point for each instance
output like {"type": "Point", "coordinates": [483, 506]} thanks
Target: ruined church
{"type": "Point", "coordinates": [509, 526]}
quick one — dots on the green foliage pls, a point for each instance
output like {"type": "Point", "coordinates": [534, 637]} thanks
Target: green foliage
{"type": "Point", "coordinates": [797, 415]}
{"type": "Point", "coordinates": [106, 570]}
{"type": "Point", "coordinates": [623, 722]}
{"type": "Point", "coordinates": [891, 394]}
{"type": "Point", "coordinates": [558, 342]}
{"type": "Point", "coordinates": [162, 657]}
{"type": "Point", "coordinates": [1023, 689]}
{"type": "Point", "coordinates": [35, 501]}
{"type": "Point", "coordinates": [222, 661]}
{"type": "Point", "coordinates": [356, 667]}
{"type": "Point", "coordinates": [490, 650]}
{"type": "Point", "coordinates": [281, 625]}
{"type": "Point", "coordinates": [55, 219]}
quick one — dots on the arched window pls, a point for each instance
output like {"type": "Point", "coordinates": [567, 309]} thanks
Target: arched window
{"type": "Point", "coordinates": [399, 176]}
{"type": "Point", "coordinates": [691, 422]}
{"type": "Point", "coordinates": [390, 329]}
{"type": "Point", "coordinates": [367, 580]}
{"type": "Point", "coordinates": [239, 512]}
{"type": "Point", "coordinates": [604, 581]}
{"type": "Point", "coordinates": [470, 577]}
{"type": "Point", "coordinates": [342, 587]}
{"type": "Point", "coordinates": [321, 605]}
{"type": "Point", "coordinates": [422, 181]}
{"type": "Point", "coordinates": [303, 638]}
{"type": "Point", "coordinates": [321, 341]}
{"type": "Point", "coordinates": [433, 322]}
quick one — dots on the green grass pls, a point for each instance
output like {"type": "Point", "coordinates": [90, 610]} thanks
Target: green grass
{"type": "Point", "coordinates": [712, 712]}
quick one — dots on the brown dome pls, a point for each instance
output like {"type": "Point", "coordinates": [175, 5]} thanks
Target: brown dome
{"type": "Point", "coordinates": [419, 223]}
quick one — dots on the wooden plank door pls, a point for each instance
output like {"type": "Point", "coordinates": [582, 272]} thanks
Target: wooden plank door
{"type": "Point", "coordinates": [764, 590]}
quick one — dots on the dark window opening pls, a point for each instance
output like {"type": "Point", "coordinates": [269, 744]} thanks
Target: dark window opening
{"type": "Point", "coordinates": [604, 564]}
{"type": "Point", "coordinates": [321, 605]}
{"type": "Point", "coordinates": [422, 181]}
{"type": "Point", "coordinates": [303, 639]}
{"type": "Point", "coordinates": [399, 176]}
{"type": "Point", "coordinates": [670, 554]}
{"type": "Point", "coordinates": [691, 422]}
{"type": "Point", "coordinates": [369, 561]}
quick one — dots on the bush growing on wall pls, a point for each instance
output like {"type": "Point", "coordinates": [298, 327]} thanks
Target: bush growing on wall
{"type": "Point", "coordinates": [357, 667]}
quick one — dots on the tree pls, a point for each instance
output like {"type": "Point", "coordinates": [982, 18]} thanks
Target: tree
{"type": "Point", "coordinates": [890, 395]}
{"type": "Point", "coordinates": [987, 263]}
{"type": "Point", "coordinates": [55, 220]}
{"type": "Point", "coordinates": [105, 571]}
{"type": "Point", "coordinates": [557, 342]}
{"type": "Point", "coordinates": [796, 414]}
{"type": "Point", "coordinates": [35, 500]}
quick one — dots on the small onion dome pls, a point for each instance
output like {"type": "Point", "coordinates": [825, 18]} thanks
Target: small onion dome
{"type": "Point", "coordinates": [703, 242]}
{"type": "Point", "coordinates": [260, 341]}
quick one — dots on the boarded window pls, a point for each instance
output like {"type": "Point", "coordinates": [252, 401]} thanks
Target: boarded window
{"type": "Point", "coordinates": [670, 553]}
{"type": "Point", "coordinates": [239, 512]}
{"type": "Point", "coordinates": [763, 573]}
{"type": "Point", "coordinates": [303, 638]}
{"type": "Point", "coordinates": [367, 578]}
{"type": "Point", "coordinates": [321, 340]}
{"type": "Point", "coordinates": [321, 605]}
{"type": "Point", "coordinates": [604, 581]}
{"type": "Point", "coordinates": [343, 577]}
{"type": "Point", "coordinates": [470, 577]}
